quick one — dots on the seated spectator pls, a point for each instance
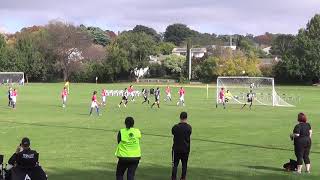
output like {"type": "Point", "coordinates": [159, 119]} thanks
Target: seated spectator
{"type": "Point", "coordinates": [24, 163]}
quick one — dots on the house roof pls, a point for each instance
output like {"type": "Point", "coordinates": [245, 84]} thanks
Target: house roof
{"type": "Point", "coordinates": [193, 50]}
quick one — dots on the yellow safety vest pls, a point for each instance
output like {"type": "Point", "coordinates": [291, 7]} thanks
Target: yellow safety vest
{"type": "Point", "coordinates": [129, 146]}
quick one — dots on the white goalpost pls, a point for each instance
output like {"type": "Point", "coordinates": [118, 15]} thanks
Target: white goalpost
{"type": "Point", "coordinates": [12, 77]}
{"type": "Point", "coordinates": [263, 89]}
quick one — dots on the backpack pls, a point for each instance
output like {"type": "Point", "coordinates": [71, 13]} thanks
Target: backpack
{"type": "Point", "coordinates": [291, 165]}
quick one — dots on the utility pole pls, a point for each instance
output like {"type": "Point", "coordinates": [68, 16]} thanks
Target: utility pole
{"type": "Point", "coordinates": [189, 57]}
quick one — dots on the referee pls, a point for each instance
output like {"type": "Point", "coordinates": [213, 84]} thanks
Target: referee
{"type": "Point", "coordinates": [181, 146]}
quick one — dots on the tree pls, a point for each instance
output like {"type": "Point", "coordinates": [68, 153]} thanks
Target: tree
{"type": "Point", "coordinates": [178, 33]}
{"type": "Point", "coordinates": [302, 61]}
{"type": "Point", "coordinates": [265, 39]}
{"type": "Point", "coordinates": [99, 36]}
{"type": "Point", "coordinates": [165, 48]}
{"type": "Point", "coordinates": [147, 30]}
{"type": "Point", "coordinates": [33, 62]}
{"type": "Point", "coordinates": [208, 69]}
{"type": "Point", "coordinates": [138, 47]}
{"type": "Point", "coordinates": [282, 44]}
{"type": "Point", "coordinates": [234, 63]}
{"type": "Point", "coordinates": [2, 42]}
{"type": "Point", "coordinates": [174, 65]}
{"type": "Point", "coordinates": [67, 42]}
{"type": "Point", "coordinates": [116, 61]}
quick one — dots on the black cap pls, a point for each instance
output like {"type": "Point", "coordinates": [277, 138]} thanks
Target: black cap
{"type": "Point", "coordinates": [25, 142]}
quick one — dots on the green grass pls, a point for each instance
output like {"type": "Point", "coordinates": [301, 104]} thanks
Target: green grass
{"type": "Point", "coordinates": [226, 144]}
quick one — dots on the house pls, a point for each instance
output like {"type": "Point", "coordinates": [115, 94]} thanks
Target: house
{"type": "Point", "coordinates": [195, 52]}
{"type": "Point", "coordinates": [267, 50]}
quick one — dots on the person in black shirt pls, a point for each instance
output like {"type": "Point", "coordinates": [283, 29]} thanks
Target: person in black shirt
{"type": "Point", "coordinates": [181, 146]}
{"type": "Point", "coordinates": [156, 98]}
{"type": "Point", "coordinates": [24, 163]}
{"type": "Point", "coordinates": [9, 97]}
{"type": "Point", "coordinates": [302, 142]}
{"type": "Point", "coordinates": [24, 157]}
{"type": "Point", "coordinates": [145, 94]}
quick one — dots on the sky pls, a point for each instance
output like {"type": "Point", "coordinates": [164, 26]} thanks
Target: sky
{"type": "Point", "coordinates": [211, 16]}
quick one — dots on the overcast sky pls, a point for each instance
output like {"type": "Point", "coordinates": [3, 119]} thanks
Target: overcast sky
{"type": "Point", "coordinates": [213, 16]}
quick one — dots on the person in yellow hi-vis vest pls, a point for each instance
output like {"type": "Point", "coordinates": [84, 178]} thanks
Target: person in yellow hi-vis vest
{"type": "Point", "coordinates": [128, 150]}
{"type": "Point", "coordinates": [67, 86]}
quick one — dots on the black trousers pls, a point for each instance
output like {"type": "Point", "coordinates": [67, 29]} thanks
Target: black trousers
{"type": "Point", "coordinates": [302, 150]}
{"type": "Point", "coordinates": [176, 158]}
{"type": "Point", "coordinates": [126, 165]}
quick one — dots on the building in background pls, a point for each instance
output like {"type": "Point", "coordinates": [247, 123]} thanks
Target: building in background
{"type": "Point", "coordinates": [195, 52]}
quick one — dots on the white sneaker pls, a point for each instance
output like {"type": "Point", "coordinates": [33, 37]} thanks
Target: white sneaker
{"type": "Point", "coordinates": [125, 105]}
{"type": "Point", "coordinates": [119, 105]}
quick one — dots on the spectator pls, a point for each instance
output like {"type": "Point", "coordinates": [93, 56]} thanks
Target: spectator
{"type": "Point", "coordinates": [24, 157]}
{"type": "Point", "coordinates": [302, 142]}
{"type": "Point", "coordinates": [181, 146]}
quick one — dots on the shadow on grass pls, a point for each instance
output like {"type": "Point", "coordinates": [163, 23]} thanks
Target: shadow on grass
{"type": "Point", "coordinates": [268, 168]}
{"type": "Point", "coordinates": [156, 135]}
{"type": "Point", "coordinates": [155, 172]}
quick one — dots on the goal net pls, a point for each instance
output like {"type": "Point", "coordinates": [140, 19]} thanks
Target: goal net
{"type": "Point", "coordinates": [262, 88]}
{"type": "Point", "coordinates": [12, 77]}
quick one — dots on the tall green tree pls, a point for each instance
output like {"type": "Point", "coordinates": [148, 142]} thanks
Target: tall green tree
{"type": "Point", "coordinates": [178, 33]}
{"type": "Point", "coordinates": [98, 35]}
{"type": "Point", "coordinates": [32, 58]}
{"type": "Point", "coordinates": [165, 48]}
{"type": "Point", "coordinates": [147, 30]}
{"type": "Point", "coordinates": [281, 44]}
{"type": "Point", "coordinates": [174, 65]}
{"type": "Point", "coordinates": [138, 47]}
{"type": "Point", "coordinates": [302, 61]}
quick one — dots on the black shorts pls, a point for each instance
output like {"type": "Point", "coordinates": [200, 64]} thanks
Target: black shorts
{"type": "Point", "coordinates": [249, 101]}
{"type": "Point", "coordinates": [157, 99]}
{"type": "Point", "coordinates": [124, 98]}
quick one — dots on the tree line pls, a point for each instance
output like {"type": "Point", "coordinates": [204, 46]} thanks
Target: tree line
{"type": "Point", "coordinates": [63, 51]}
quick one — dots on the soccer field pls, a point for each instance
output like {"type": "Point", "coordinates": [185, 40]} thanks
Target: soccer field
{"type": "Point", "coordinates": [226, 144]}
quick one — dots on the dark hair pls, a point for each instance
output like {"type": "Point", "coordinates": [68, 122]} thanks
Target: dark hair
{"type": "Point", "coordinates": [183, 115]}
{"type": "Point", "coordinates": [302, 117]}
{"type": "Point", "coordinates": [129, 122]}
{"type": "Point", "coordinates": [94, 92]}
{"type": "Point", "coordinates": [25, 142]}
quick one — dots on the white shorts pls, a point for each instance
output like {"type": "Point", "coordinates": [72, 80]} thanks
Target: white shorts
{"type": "Point", "coordinates": [182, 98]}
{"type": "Point", "coordinates": [64, 98]}
{"type": "Point", "coordinates": [103, 98]}
{"type": "Point", "coordinates": [14, 99]}
{"type": "Point", "coordinates": [169, 95]}
{"type": "Point", "coordinates": [131, 94]}
{"type": "Point", "coordinates": [221, 100]}
{"type": "Point", "coordinates": [94, 104]}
